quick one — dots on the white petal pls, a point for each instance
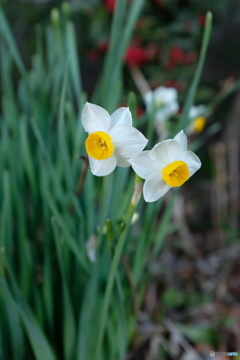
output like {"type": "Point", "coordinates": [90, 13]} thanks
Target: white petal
{"type": "Point", "coordinates": [193, 112]}
{"type": "Point", "coordinates": [166, 151]}
{"type": "Point", "coordinates": [121, 161]}
{"type": "Point", "coordinates": [148, 99]}
{"type": "Point", "coordinates": [127, 140]}
{"type": "Point", "coordinates": [165, 94]}
{"type": "Point", "coordinates": [160, 129]}
{"type": "Point", "coordinates": [144, 166]}
{"type": "Point", "coordinates": [166, 97]}
{"type": "Point", "coordinates": [95, 118]}
{"type": "Point", "coordinates": [164, 112]}
{"type": "Point", "coordinates": [121, 116]}
{"type": "Point", "coordinates": [154, 188]}
{"type": "Point", "coordinates": [192, 160]}
{"type": "Point", "coordinates": [196, 111]}
{"type": "Point", "coordinates": [160, 116]}
{"type": "Point", "coordinates": [102, 167]}
{"type": "Point", "coordinates": [182, 139]}
{"type": "Point", "coordinates": [173, 108]}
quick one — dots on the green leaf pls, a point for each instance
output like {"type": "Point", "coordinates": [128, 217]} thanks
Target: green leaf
{"type": "Point", "coordinates": [88, 317]}
{"type": "Point", "coordinates": [193, 88]}
{"type": "Point", "coordinates": [172, 298]}
{"type": "Point", "coordinates": [38, 341]}
{"type": "Point", "coordinates": [16, 333]}
{"type": "Point", "coordinates": [121, 319]}
{"type": "Point", "coordinates": [26, 153]}
{"type": "Point", "coordinates": [163, 227]}
{"type": "Point", "coordinates": [111, 59]}
{"type": "Point", "coordinates": [111, 280]}
{"type": "Point", "coordinates": [198, 334]}
{"type": "Point", "coordinates": [6, 33]}
{"type": "Point", "coordinates": [69, 327]}
{"type": "Point", "coordinates": [71, 44]}
{"type": "Point", "coordinates": [221, 97]}
{"type": "Point", "coordinates": [62, 134]}
{"type": "Point", "coordinates": [71, 242]}
{"type": "Point", "coordinates": [6, 214]}
{"type": "Point", "coordinates": [205, 136]}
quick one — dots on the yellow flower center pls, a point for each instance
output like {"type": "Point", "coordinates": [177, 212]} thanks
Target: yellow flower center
{"type": "Point", "coordinates": [199, 124]}
{"type": "Point", "coordinates": [176, 173]}
{"type": "Point", "coordinates": [99, 145]}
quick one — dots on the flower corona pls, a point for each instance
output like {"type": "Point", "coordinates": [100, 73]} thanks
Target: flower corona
{"type": "Point", "coordinates": [99, 145]}
{"type": "Point", "coordinates": [176, 173]}
{"type": "Point", "coordinates": [197, 120]}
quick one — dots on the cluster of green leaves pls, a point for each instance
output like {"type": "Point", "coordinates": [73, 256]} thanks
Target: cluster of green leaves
{"type": "Point", "coordinates": [51, 294]}
{"type": "Point", "coordinates": [55, 303]}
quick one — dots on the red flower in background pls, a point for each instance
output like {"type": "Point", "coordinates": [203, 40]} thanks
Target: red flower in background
{"type": "Point", "coordinates": [140, 111]}
{"type": "Point", "coordinates": [176, 55]}
{"type": "Point", "coordinates": [201, 19]}
{"type": "Point", "coordinates": [135, 56]}
{"type": "Point", "coordinates": [110, 5]}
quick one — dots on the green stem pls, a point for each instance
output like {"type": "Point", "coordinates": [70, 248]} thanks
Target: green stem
{"type": "Point", "coordinates": [113, 272]}
{"type": "Point", "coordinates": [193, 88]}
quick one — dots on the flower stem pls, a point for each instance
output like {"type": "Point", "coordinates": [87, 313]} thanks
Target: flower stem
{"type": "Point", "coordinates": [112, 273]}
{"type": "Point", "coordinates": [193, 88]}
{"type": "Point", "coordinates": [139, 79]}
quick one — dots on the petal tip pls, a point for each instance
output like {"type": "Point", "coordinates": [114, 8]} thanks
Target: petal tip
{"type": "Point", "coordinates": [86, 107]}
{"type": "Point", "coordinates": [181, 132]}
{"type": "Point", "coordinates": [147, 198]}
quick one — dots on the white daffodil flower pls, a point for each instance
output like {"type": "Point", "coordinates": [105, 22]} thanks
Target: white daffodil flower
{"type": "Point", "coordinates": [168, 164]}
{"type": "Point", "coordinates": [198, 122]}
{"type": "Point", "coordinates": [112, 140]}
{"type": "Point", "coordinates": [163, 100]}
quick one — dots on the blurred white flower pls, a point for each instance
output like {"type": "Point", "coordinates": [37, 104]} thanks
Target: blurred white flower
{"type": "Point", "coordinates": [197, 121]}
{"type": "Point", "coordinates": [163, 100]}
{"type": "Point", "coordinates": [112, 139]}
{"type": "Point", "coordinates": [196, 111]}
{"type": "Point", "coordinates": [91, 247]}
{"type": "Point", "coordinates": [168, 164]}
{"type": "Point", "coordinates": [135, 218]}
